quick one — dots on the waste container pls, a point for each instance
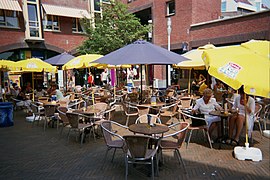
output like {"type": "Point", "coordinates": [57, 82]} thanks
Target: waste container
{"type": "Point", "coordinates": [6, 114]}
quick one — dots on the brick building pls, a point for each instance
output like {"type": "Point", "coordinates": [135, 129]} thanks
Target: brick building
{"type": "Point", "coordinates": [195, 23]}
{"type": "Point", "coordinates": [42, 28]}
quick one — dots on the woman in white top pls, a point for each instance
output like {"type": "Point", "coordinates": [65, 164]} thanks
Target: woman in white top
{"type": "Point", "coordinates": [205, 105]}
{"type": "Point", "coordinates": [237, 121]}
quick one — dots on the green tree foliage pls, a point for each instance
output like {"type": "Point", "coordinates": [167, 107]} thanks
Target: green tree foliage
{"type": "Point", "coordinates": [115, 29]}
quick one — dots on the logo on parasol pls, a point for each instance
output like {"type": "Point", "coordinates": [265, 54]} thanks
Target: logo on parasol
{"type": "Point", "coordinates": [230, 70]}
{"type": "Point", "coordinates": [31, 65]}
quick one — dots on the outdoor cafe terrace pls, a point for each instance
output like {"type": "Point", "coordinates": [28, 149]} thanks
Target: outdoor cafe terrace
{"type": "Point", "coordinates": [29, 152]}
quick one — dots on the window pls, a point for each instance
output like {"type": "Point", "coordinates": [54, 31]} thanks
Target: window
{"type": "Point", "coordinates": [8, 18]}
{"type": "Point", "coordinates": [106, 1]}
{"type": "Point", "coordinates": [31, 14]}
{"type": "Point", "coordinates": [51, 22]}
{"type": "Point", "coordinates": [223, 6]}
{"type": "Point", "coordinates": [97, 5]}
{"type": "Point", "coordinates": [76, 25]}
{"type": "Point", "coordinates": [170, 8]}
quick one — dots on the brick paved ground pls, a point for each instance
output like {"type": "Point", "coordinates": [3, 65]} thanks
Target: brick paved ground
{"type": "Point", "coordinates": [29, 153]}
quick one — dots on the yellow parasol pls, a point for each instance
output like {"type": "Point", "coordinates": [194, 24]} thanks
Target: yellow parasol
{"type": "Point", "coordinates": [83, 61]}
{"type": "Point", "coordinates": [8, 65]}
{"type": "Point", "coordinates": [35, 65]}
{"type": "Point", "coordinates": [196, 60]}
{"type": "Point", "coordinates": [238, 65]}
{"type": "Point", "coordinates": [247, 65]}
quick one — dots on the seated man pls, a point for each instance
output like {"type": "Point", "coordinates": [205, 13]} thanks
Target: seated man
{"type": "Point", "coordinates": [205, 105]}
{"type": "Point", "coordinates": [57, 92]}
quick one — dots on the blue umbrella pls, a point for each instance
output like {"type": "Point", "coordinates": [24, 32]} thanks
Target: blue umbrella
{"type": "Point", "coordinates": [141, 52]}
{"type": "Point", "coordinates": [60, 59]}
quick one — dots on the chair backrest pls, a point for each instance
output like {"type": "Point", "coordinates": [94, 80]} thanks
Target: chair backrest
{"type": "Point", "coordinates": [137, 145]}
{"type": "Point", "coordinates": [172, 107]}
{"type": "Point", "coordinates": [258, 109]}
{"type": "Point", "coordinates": [178, 131]}
{"type": "Point", "coordinates": [102, 106]}
{"type": "Point", "coordinates": [142, 110]}
{"type": "Point", "coordinates": [49, 110]}
{"type": "Point", "coordinates": [109, 133]}
{"type": "Point", "coordinates": [73, 119]}
{"type": "Point", "coordinates": [109, 114]}
{"type": "Point", "coordinates": [34, 108]}
{"type": "Point", "coordinates": [185, 102]}
{"type": "Point", "coordinates": [146, 118]}
{"type": "Point", "coordinates": [133, 97]}
{"type": "Point", "coordinates": [197, 121]}
{"type": "Point", "coordinates": [62, 114]}
{"type": "Point", "coordinates": [127, 107]}
{"type": "Point", "coordinates": [266, 113]}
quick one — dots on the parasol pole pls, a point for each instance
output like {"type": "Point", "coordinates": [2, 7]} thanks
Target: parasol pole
{"type": "Point", "coordinates": [246, 119]}
{"type": "Point", "coordinates": [93, 96]}
{"type": "Point", "coordinates": [33, 86]}
{"type": "Point", "coordinates": [189, 77]}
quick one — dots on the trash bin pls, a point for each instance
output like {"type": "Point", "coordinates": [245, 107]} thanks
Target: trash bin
{"type": "Point", "coordinates": [6, 114]}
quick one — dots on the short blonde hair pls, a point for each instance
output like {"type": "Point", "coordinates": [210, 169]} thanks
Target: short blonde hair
{"type": "Point", "coordinates": [208, 92]}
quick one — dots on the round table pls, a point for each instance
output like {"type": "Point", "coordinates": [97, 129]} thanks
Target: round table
{"type": "Point", "coordinates": [144, 128]}
{"type": "Point", "coordinates": [224, 116]}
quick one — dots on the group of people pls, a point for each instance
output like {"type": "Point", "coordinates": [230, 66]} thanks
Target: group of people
{"type": "Point", "coordinates": [242, 101]}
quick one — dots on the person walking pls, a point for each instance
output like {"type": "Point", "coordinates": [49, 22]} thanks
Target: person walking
{"type": "Point", "coordinates": [90, 80]}
{"type": "Point", "coordinates": [104, 77]}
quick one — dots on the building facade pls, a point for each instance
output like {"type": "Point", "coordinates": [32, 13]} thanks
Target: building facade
{"type": "Point", "coordinates": [194, 23]}
{"type": "Point", "coordinates": [43, 28]}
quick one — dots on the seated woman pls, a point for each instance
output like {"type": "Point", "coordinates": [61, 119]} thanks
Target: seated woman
{"type": "Point", "coordinates": [205, 105]}
{"type": "Point", "coordinates": [23, 100]}
{"type": "Point", "coordinates": [219, 90]}
{"type": "Point", "coordinates": [199, 80]}
{"type": "Point", "coordinates": [237, 120]}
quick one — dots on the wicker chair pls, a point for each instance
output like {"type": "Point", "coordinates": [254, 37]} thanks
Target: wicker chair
{"type": "Point", "coordinates": [138, 151]}
{"type": "Point", "coordinates": [169, 111]}
{"type": "Point", "coordinates": [129, 111]}
{"type": "Point", "coordinates": [107, 115]}
{"type": "Point", "coordinates": [174, 140]}
{"type": "Point", "coordinates": [62, 119]}
{"type": "Point", "coordinates": [257, 116]}
{"type": "Point", "coordinates": [77, 126]}
{"type": "Point", "coordinates": [112, 139]}
{"type": "Point", "coordinates": [198, 123]}
{"type": "Point", "coordinates": [49, 111]}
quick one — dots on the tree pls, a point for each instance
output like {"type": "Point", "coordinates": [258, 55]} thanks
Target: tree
{"type": "Point", "coordinates": [115, 29]}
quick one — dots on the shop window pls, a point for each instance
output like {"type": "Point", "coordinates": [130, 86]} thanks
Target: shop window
{"type": "Point", "coordinates": [8, 18]}
{"type": "Point", "coordinates": [51, 22]}
{"type": "Point", "coordinates": [76, 25]}
{"type": "Point", "coordinates": [170, 8]}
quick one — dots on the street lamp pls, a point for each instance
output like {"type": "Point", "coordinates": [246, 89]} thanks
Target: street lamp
{"type": "Point", "coordinates": [168, 67]}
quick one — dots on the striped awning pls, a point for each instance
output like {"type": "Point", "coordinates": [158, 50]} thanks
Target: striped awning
{"type": "Point", "coordinates": [65, 11]}
{"type": "Point", "coordinates": [11, 5]}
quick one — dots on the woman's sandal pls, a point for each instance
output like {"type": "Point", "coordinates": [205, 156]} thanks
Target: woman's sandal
{"type": "Point", "coordinates": [234, 142]}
